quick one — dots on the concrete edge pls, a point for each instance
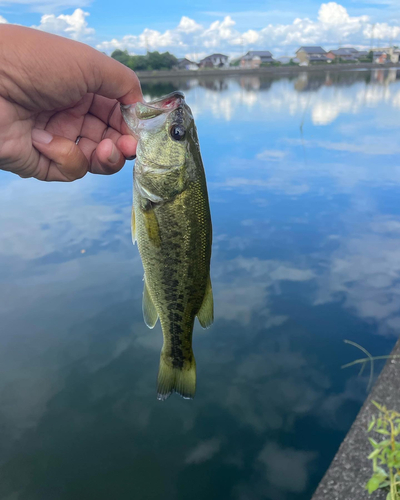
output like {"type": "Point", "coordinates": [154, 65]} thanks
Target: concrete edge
{"type": "Point", "coordinates": [350, 469]}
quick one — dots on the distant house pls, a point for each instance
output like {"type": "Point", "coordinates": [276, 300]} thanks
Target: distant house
{"type": "Point", "coordinates": [185, 63]}
{"type": "Point", "coordinates": [344, 53]}
{"type": "Point", "coordinates": [379, 57]}
{"type": "Point", "coordinates": [394, 55]}
{"type": "Point", "coordinates": [311, 55]}
{"type": "Point", "coordinates": [254, 59]}
{"type": "Point", "coordinates": [214, 61]}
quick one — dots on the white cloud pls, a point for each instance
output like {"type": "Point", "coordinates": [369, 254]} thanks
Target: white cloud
{"type": "Point", "coordinates": [365, 270]}
{"type": "Point", "coordinates": [333, 23]}
{"type": "Point", "coordinates": [74, 26]}
{"type": "Point", "coordinates": [187, 25]}
{"type": "Point", "coordinates": [278, 461]}
{"type": "Point", "coordinates": [271, 155]}
{"type": "Point", "coordinates": [204, 451]}
{"type": "Point", "coordinates": [325, 104]}
{"type": "Point", "coordinates": [2, 20]}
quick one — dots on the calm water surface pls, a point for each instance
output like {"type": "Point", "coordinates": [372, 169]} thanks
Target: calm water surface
{"type": "Point", "coordinates": [304, 184]}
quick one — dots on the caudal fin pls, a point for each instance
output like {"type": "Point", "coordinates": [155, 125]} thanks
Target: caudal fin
{"type": "Point", "coordinates": [179, 380]}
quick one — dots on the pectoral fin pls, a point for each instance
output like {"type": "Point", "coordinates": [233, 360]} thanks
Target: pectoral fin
{"type": "Point", "coordinates": [149, 309]}
{"type": "Point", "coordinates": [133, 226]}
{"type": "Point", "coordinates": [152, 227]}
{"type": "Point", "coordinates": [206, 312]}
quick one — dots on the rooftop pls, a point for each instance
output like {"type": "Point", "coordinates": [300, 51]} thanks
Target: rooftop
{"type": "Point", "coordinates": [312, 50]}
{"type": "Point", "coordinates": [344, 51]}
{"type": "Point", "coordinates": [259, 53]}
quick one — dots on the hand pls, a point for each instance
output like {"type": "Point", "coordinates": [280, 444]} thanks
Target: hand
{"type": "Point", "coordinates": [54, 90]}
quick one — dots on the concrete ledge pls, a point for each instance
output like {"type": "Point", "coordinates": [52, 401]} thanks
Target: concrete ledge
{"type": "Point", "coordinates": [350, 469]}
{"type": "Point", "coordinates": [272, 70]}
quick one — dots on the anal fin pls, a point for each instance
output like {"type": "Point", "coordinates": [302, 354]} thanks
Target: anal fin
{"type": "Point", "coordinates": [206, 312]}
{"type": "Point", "coordinates": [150, 314]}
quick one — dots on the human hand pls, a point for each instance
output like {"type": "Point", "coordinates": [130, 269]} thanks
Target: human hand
{"type": "Point", "coordinates": [54, 90]}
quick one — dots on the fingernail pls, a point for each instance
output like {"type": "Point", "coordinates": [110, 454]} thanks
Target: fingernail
{"type": "Point", "coordinates": [41, 136]}
{"type": "Point", "coordinates": [131, 157]}
{"type": "Point", "coordinates": [114, 155]}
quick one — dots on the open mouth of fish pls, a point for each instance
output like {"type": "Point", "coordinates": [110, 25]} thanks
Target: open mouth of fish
{"type": "Point", "coordinates": [168, 102]}
{"type": "Point", "coordinates": [140, 114]}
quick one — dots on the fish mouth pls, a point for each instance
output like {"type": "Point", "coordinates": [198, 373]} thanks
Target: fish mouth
{"type": "Point", "coordinates": [169, 101]}
{"type": "Point", "coordinates": [141, 112]}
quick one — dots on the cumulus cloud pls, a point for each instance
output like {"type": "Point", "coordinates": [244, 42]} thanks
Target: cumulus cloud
{"type": "Point", "coordinates": [278, 461]}
{"type": "Point", "coordinates": [332, 23]}
{"type": "Point", "coordinates": [2, 20]}
{"type": "Point", "coordinates": [74, 26]}
{"type": "Point", "coordinates": [324, 104]}
{"type": "Point", "coordinates": [204, 451]}
{"type": "Point", "coordinates": [365, 270]}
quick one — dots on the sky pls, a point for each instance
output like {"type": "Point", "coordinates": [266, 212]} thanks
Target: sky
{"type": "Point", "coordinates": [196, 29]}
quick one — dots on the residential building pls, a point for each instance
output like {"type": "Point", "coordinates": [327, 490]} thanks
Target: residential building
{"type": "Point", "coordinates": [214, 61]}
{"type": "Point", "coordinates": [379, 57]}
{"type": "Point", "coordinates": [254, 59]}
{"type": "Point", "coordinates": [311, 55]}
{"type": "Point", "coordinates": [344, 54]}
{"type": "Point", "coordinates": [185, 63]}
{"type": "Point", "coordinates": [394, 55]}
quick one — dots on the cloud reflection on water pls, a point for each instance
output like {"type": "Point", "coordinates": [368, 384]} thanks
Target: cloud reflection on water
{"type": "Point", "coordinates": [305, 254]}
{"type": "Point", "coordinates": [325, 96]}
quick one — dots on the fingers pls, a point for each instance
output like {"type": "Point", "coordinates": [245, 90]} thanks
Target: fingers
{"type": "Point", "coordinates": [104, 158]}
{"type": "Point", "coordinates": [72, 70]}
{"type": "Point", "coordinates": [109, 112]}
{"type": "Point", "coordinates": [109, 156]}
{"type": "Point", "coordinates": [61, 159]}
{"type": "Point", "coordinates": [116, 80]}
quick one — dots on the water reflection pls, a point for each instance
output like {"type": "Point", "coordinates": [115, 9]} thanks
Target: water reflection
{"type": "Point", "coordinates": [303, 179]}
{"type": "Point", "coordinates": [325, 96]}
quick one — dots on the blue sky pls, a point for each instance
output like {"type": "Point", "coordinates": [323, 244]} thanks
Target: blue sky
{"type": "Point", "coordinates": [197, 28]}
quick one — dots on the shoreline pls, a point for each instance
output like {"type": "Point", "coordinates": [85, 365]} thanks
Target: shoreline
{"type": "Point", "coordinates": [271, 70]}
{"type": "Point", "coordinates": [350, 469]}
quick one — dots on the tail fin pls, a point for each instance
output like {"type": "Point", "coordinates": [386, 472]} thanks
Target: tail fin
{"type": "Point", "coordinates": [179, 380]}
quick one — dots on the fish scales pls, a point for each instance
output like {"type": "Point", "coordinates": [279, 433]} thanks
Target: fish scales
{"type": "Point", "coordinates": [176, 272]}
{"type": "Point", "coordinates": [172, 225]}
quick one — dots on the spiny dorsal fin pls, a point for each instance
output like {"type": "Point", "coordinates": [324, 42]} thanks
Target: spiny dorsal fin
{"type": "Point", "coordinates": [150, 314]}
{"type": "Point", "coordinates": [206, 312]}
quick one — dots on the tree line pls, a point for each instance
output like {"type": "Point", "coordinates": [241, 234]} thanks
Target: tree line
{"type": "Point", "coordinates": [151, 61]}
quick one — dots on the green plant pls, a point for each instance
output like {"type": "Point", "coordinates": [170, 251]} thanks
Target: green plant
{"type": "Point", "coordinates": [386, 454]}
{"type": "Point", "coordinates": [364, 361]}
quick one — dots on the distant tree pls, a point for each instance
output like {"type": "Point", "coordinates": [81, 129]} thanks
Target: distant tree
{"type": "Point", "coordinates": [122, 56]}
{"type": "Point", "coordinates": [161, 61]}
{"type": "Point", "coordinates": [151, 61]}
{"type": "Point", "coordinates": [139, 63]}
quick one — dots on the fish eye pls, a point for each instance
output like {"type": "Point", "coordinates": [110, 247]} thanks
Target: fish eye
{"type": "Point", "coordinates": [177, 133]}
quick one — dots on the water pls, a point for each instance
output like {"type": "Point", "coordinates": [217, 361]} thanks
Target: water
{"type": "Point", "coordinates": [304, 184]}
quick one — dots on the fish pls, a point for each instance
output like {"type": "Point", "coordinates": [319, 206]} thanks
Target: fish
{"type": "Point", "coordinates": [171, 223]}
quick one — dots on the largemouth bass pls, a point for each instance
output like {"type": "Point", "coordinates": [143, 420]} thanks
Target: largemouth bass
{"type": "Point", "coordinates": [171, 223]}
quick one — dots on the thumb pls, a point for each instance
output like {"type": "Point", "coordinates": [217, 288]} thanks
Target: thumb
{"type": "Point", "coordinates": [60, 159]}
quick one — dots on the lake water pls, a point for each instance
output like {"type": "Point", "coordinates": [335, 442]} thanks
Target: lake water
{"type": "Point", "coordinates": [304, 184]}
